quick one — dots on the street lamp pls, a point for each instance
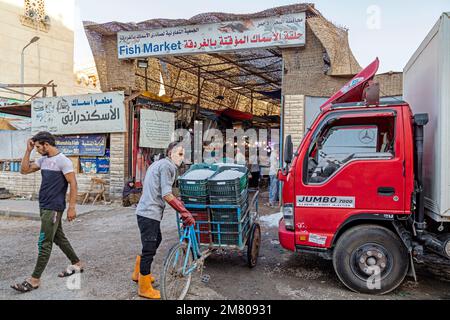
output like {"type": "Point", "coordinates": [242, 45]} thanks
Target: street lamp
{"type": "Point", "coordinates": [143, 64]}
{"type": "Point", "coordinates": [22, 72]}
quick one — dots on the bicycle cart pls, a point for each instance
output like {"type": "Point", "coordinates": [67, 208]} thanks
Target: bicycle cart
{"type": "Point", "coordinates": [218, 226]}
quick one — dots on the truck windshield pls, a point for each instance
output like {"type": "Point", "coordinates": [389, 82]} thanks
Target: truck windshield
{"type": "Point", "coordinates": [341, 142]}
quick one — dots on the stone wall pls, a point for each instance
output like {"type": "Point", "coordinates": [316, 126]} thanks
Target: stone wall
{"type": "Point", "coordinates": [294, 118]}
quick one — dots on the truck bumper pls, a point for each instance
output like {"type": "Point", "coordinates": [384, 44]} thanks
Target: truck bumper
{"type": "Point", "coordinates": [286, 237]}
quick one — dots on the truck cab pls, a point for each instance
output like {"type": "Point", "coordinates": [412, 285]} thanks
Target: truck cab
{"type": "Point", "coordinates": [352, 165]}
{"type": "Point", "coordinates": [349, 191]}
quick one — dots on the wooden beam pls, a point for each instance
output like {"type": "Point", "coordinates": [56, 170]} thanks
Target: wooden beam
{"type": "Point", "coordinates": [43, 90]}
{"type": "Point", "coordinates": [237, 61]}
{"type": "Point", "coordinates": [186, 92]}
{"type": "Point", "coordinates": [176, 83]}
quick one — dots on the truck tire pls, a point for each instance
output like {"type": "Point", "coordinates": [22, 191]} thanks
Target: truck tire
{"type": "Point", "coordinates": [370, 259]}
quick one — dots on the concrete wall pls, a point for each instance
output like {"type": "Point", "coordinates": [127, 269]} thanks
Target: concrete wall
{"type": "Point", "coordinates": [118, 165]}
{"type": "Point", "coordinates": [312, 109]}
{"type": "Point", "coordinates": [51, 58]}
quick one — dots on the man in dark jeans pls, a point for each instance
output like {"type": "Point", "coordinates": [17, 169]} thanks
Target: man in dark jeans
{"type": "Point", "coordinates": [57, 173]}
{"type": "Point", "coordinates": [157, 192]}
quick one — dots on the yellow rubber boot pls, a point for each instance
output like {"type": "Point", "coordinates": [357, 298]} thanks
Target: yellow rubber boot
{"type": "Point", "coordinates": [146, 289]}
{"type": "Point", "coordinates": [137, 271]}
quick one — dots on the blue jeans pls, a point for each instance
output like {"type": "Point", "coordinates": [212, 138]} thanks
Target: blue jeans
{"type": "Point", "coordinates": [273, 189]}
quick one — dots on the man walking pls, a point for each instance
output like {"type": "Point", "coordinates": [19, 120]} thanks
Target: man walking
{"type": "Point", "coordinates": [157, 191]}
{"type": "Point", "coordinates": [57, 173]}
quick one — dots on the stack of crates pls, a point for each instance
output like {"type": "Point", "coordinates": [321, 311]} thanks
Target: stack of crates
{"type": "Point", "coordinates": [229, 225]}
{"type": "Point", "coordinates": [194, 190]}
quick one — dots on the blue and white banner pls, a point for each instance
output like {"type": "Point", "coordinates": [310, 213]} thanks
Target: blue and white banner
{"type": "Point", "coordinates": [280, 31]}
{"type": "Point", "coordinates": [89, 145]}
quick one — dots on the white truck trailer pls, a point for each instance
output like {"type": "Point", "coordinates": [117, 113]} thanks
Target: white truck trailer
{"type": "Point", "coordinates": [427, 90]}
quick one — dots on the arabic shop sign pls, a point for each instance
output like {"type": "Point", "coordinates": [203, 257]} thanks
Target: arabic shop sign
{"type": "Point", "coordinates": [89, 145]}
{"type": "Point", "coordinates": [94, 113]}
{"type": "Point", "coordinates": [281, 31]}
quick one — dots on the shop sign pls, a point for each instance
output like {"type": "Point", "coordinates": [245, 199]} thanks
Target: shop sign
{"type": "Point", "coordinates": [89, 145]}
{"type": "Point", "coordinates": [97, 165]}
{"type": "Point", "coordinates": [94, 113]}
{"type": "Point", "coordinates": [280, 31]}
{"type": "Point", "coordinates": [157, 129]}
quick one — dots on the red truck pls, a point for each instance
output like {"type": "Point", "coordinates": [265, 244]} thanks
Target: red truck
{"type": "Point", "coordinates": [353, 193]}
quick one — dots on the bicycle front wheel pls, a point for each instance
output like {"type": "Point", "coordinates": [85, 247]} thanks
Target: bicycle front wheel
{"type": "Point", "coordinates": [175, 277]}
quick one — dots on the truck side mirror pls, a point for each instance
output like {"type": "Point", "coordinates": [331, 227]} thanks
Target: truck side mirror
{"type": "Point", "coordinates": [288, 150]}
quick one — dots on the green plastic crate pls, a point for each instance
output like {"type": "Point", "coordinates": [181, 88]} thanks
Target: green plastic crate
{"type": "Point", "coordinates": [228, 188]}
{"type": "Point", "coordinates": [195, 188]}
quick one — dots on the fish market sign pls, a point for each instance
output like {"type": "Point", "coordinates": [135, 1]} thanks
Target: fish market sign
{"type": "Point", "coordinates": [94, 113]}
{"type": "Point", "coordinates": [282, 31]}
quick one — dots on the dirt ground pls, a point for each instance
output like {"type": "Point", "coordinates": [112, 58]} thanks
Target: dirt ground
{"type": "Point", "coordinates": [109, 241]}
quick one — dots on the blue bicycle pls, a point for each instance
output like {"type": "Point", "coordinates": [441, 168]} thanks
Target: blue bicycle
{"type": "Point", "coordinates": [190, 253]}
{"type": "Point", "coordinates": [182, 260]}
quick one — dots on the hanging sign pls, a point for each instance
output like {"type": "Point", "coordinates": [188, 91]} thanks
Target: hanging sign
{"type": "Point", "coordinates": [280, 31]}
{"type": "Point", "coordinates": [157, 129]}
{"type": "Point", "coordinates": [93, 113]}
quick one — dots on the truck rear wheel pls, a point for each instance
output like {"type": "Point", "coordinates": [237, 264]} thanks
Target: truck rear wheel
{"type": "Point", "coordinates": [370, 259]}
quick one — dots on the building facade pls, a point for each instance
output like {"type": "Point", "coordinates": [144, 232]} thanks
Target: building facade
{"type": "Point", "coordinates": [51, 57]}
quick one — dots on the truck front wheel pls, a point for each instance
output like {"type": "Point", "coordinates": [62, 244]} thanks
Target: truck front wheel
{"type": "Point", "coordinates": [370, 259]}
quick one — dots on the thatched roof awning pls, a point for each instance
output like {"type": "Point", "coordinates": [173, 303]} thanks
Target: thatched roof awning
{"type": "Point", "coordinates": [111, 28]}
{"type": "Point", "coordinates": [335, 42]}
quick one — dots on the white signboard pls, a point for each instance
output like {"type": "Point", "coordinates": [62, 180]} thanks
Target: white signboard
{"type": "Point", "coordinates": [157, 129]}
{"type": "Point", "coordinates": [281, 31]}
{"type": "Point", "coordinates": [94, 113]}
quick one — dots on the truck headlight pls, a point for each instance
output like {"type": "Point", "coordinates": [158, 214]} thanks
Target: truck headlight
{"type": "Point", "coordinates": [288, 214]}
{"type": "Point", "coordinates": [447, 248]}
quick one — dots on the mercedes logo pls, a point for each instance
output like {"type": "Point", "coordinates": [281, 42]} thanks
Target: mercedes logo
{"type": "Point", "coordinates": [366, 136]}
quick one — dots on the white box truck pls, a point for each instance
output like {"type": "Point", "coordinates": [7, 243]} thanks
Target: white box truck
{"type": "Point", "coordinates": [427, 89]}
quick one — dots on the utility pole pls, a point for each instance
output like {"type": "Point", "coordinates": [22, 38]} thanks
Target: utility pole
{"type": "Point", "coordinates": [22, 67]}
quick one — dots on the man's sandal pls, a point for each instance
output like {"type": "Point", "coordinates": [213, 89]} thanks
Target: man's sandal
{"type": "Point", "coordinates": [24, 287]}
{"type": "Point", "coordinates": [70, 271]}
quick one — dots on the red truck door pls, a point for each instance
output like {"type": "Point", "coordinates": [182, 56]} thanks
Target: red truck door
{"type": "Point", "coordinates": [353, 164]}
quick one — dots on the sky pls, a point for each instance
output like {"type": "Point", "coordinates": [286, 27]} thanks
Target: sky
{"type": "Point", "coordinates": [390, 30]}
